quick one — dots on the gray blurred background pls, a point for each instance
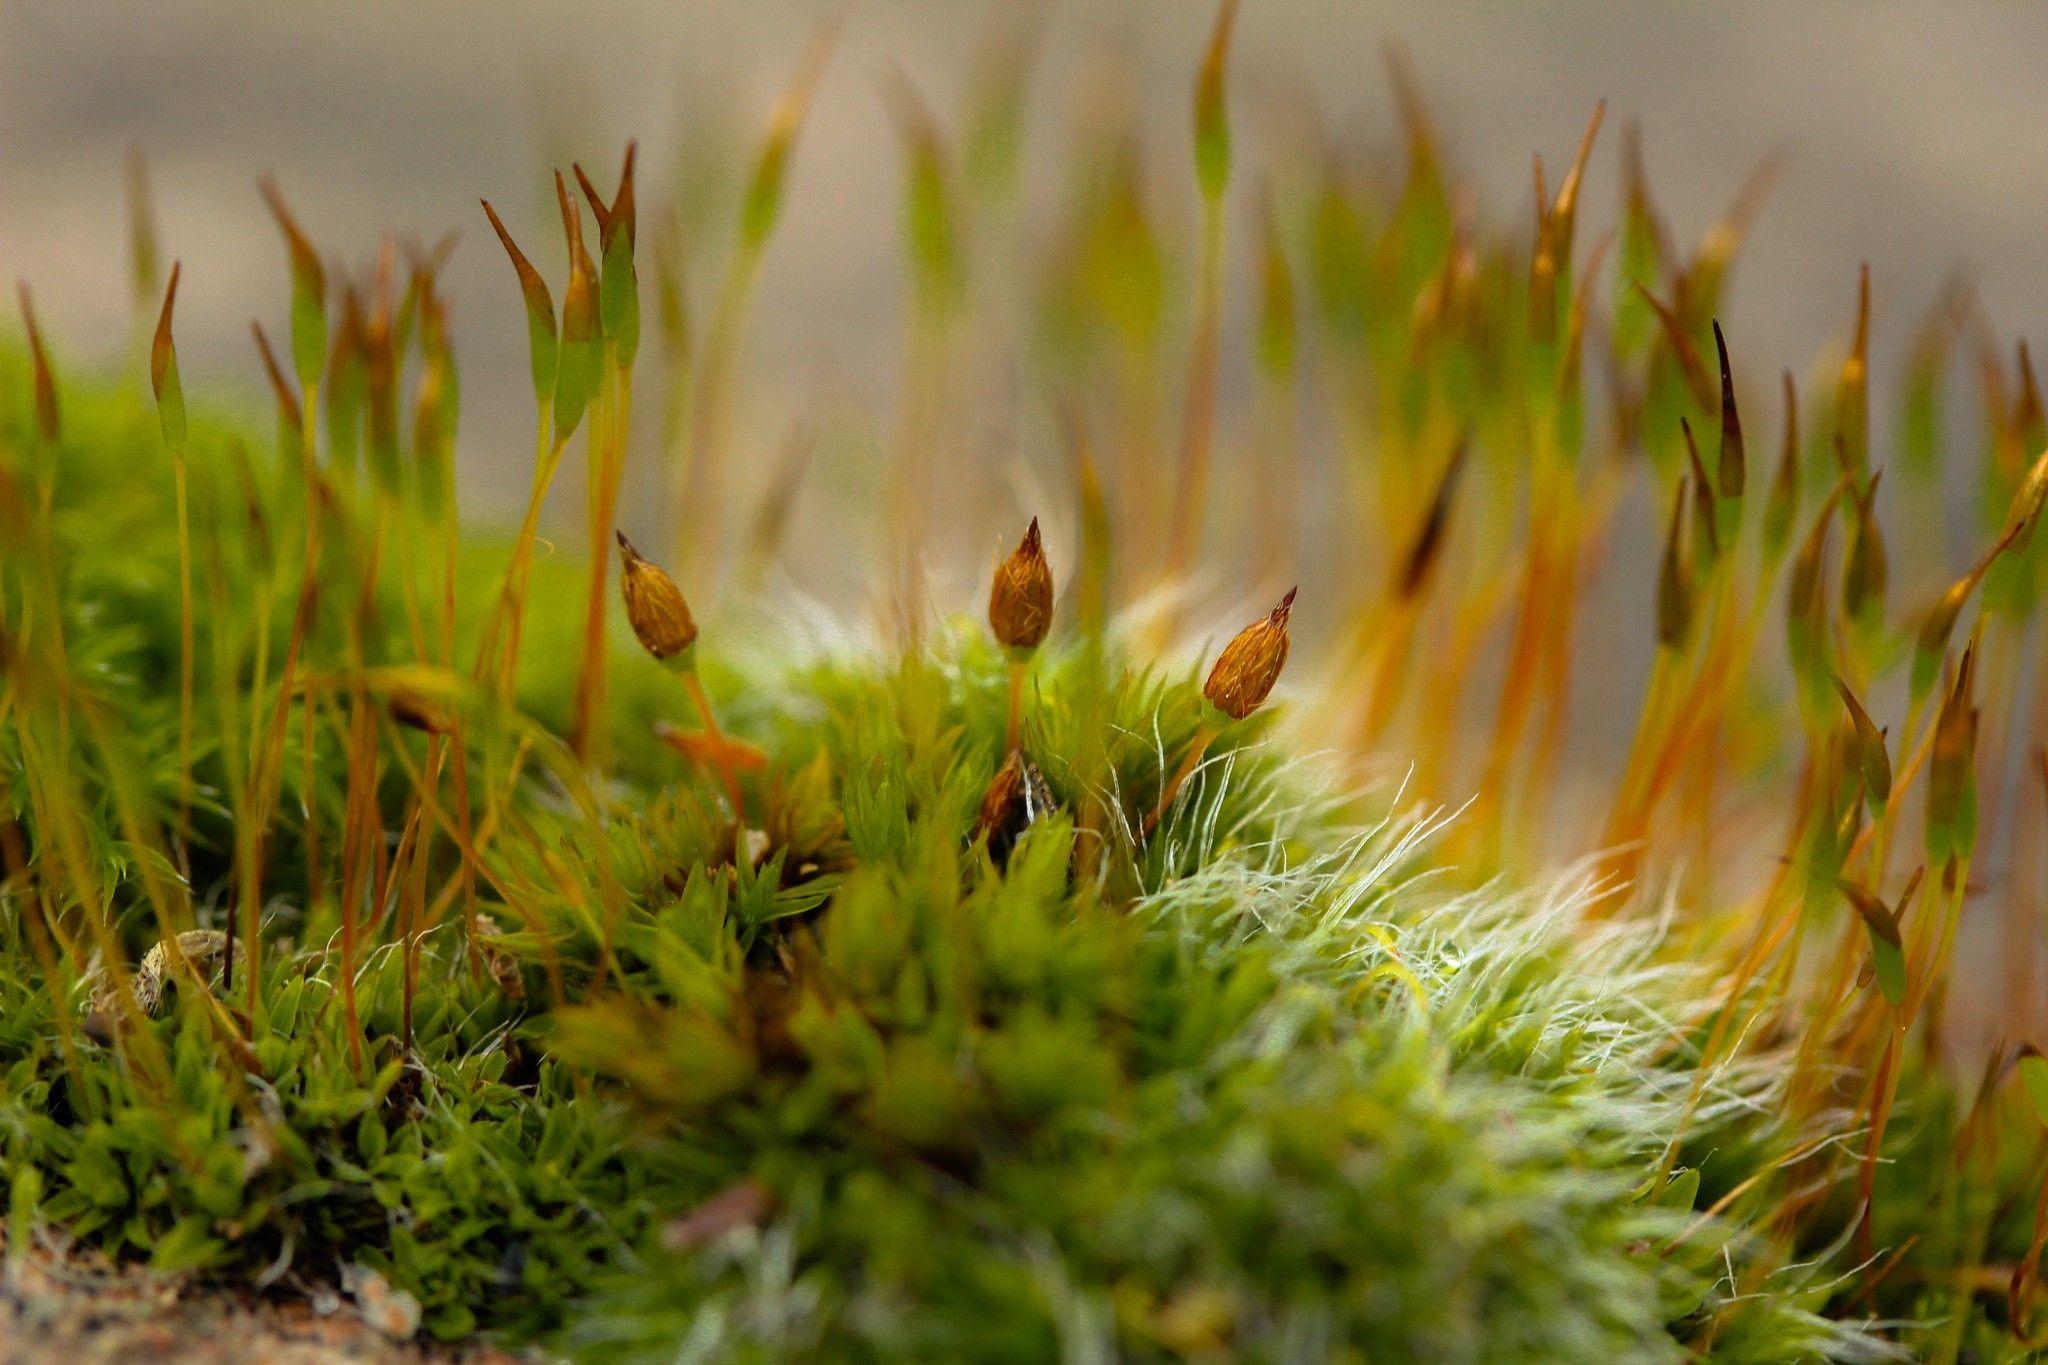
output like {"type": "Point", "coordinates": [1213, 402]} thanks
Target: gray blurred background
{"type": "Point", "coordinates": [1913, 132]}
{"type": "Point", "coordinates": [1911, 136]}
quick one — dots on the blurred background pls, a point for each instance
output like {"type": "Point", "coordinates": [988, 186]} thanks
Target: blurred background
{"type": "Point", "coordinates": [1908, 130]}
{"type": "Point", "coordinates": [1906, 136]}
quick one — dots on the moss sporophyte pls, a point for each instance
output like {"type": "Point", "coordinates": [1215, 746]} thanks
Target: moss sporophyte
{"type": "Point", "coordinates": [377, 917]}
{"type": "Point", "coordinates": [1020, 614]}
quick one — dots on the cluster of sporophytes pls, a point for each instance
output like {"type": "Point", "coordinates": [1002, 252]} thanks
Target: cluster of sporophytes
{"type": "Point", "coordinates": [375, 912]}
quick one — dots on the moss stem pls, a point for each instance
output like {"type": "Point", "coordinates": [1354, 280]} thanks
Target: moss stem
{"type": "Point", "coordinates": [1204, 737]}
{"type": "Point", "coordinates": [725, 768]}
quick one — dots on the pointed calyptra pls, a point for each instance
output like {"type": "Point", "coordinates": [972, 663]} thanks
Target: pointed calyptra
{"type": "Point", "coordinates": [1865, 573]}
{"type": "Point", "coordinates": [2011, 586]}
{"type": "Point", "coordinates": [261, 542]}
{"type": "Point", "coordinates": [1952, 777]}
{"type": "Point", "coordinates": [422, 270]}
{"type": "Point", "coordinates": [436, 407]}
{"type": "Point", "coordinates": [1708, 269]}
{"type": "Point", "coordinates": [931, 234]}
{"type": "Point", "coordinates": [163, 373]}
{"type": "Point", "coordinates": [576, 368]}
{"type": "Point", "coordinates": [49, 420]}
{"type": "Point", "coordinates": [1733, 471]}
{"type": "Point", "coordinates": [1852, 394]}
{"type": "Point", "coordinates": [1870, 750]}
{"type": "Point", "coordinates": [439, 341]}
{"type": "Point", "coordinates": [1543, 268]}
{"type": "Point", "coordinates": [1845, 795]}
{"type": "Point", "coordinates": [1682, 349]}
{"type": "Point", "coordinates": [1428, 543]}
{"type": "Point", "coordinates": [1921, 410]}
{"type": "Point", "coordinates": [993, 131]}
{"type": "Point", "coordinates": [763, 203]}
{"type": "Point", "coordinates": [541, 345]}
{"type": "Point", "coordinates": [2028, 417]}
{"type": "Point", "coordinates": [348, 382]}
{"type": "Point", "coordinates": [1931, 644]}
{"type": "Point", "coordinates": [309, 289]}
{"type": "Point", "coordinates": [1418, 130]}
{"type": "Point", "coordinates": [1833, 821]}
{"type": "Point", "coordinates": [290, 419]}
{"type": "Point", "coordinates": [1563, 217]}
{"type": "Point", "coordinates": [144, 257]}
{"type": "Point", "coordinates": [1887, 944]}
{"type": "Point", "coordinates": [1783, 503]}
{"type": "Point", "coordinates": [381, 364]}
{"type": "Point", "coordinates": [1707, 543]}
{"type": "Point", "coordinates": [618, 290]}
{"type": "Point", "coordinates": [1571, 401]}
{"type": "Point", "coordinates": [1212, 121]}
{"type": "Point", "coordinates": [2001, 442]}
{"type": "Point", "coordinates": [280, 387]}
{"type": "Point", "coordinates": [1644, 250]}
{"type": "Point", "coordinates": [1806, 610]}
{"type": "Point", "coordinates": [599, 209]}
{"type": "Point", "coordinates": [2027, 501]}
{"type": "Point", "coordinates": [2033, 1072]}
{"type": "Point", "coordinates": [1674, 577]}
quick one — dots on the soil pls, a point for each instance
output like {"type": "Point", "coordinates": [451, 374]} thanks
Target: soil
{"type": "Point", "coordinates": [57, 1305]}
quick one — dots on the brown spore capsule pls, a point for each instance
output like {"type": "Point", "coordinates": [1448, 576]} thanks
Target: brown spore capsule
{"type": "Point", "coordinates": [1020, 598]}
{"type": "Point", "coordinates": [654, 604]}
{"type": "Point", "coordinates": [1244, 673]}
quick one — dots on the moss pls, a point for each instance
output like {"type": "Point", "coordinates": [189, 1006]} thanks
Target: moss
{"type": "Point", "coordinates": [1261, 1084]}
{"type": "Point", "coordinates": [587, 1024]}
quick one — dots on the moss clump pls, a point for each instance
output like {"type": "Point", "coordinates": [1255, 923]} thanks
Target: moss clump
{"type": "Point", "coordinates": [843, 1083]}
{"type": "Point", "coordinates": [760, 997]}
